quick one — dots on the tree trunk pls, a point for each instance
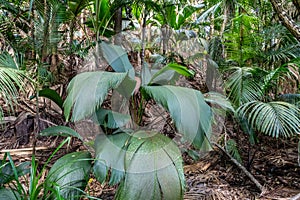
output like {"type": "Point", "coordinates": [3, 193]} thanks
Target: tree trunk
{"type": "Point", "coordinates": [118, 26]}
{"type": "Point", "coordinates": [287, 20]}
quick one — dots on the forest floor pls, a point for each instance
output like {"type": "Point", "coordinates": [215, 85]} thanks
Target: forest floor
{"type": "Point", "coordinates": [273, 162]}
{"type": "Point", "coordinates": [213, 176]}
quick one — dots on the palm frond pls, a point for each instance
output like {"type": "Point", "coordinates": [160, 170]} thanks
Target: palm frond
{"type": "Point", "coordinates": [276, 119]}
{"type": "Point", "coordinates": [282, 53]}
{"type": "Point", "coordinates": [290, 98]}
{"type": "Point", "coordinates": [241, 87]}
{"type": "Point", "coordinates": [11, 80]}
{"type": "Point", "coordinates": [50, 16]}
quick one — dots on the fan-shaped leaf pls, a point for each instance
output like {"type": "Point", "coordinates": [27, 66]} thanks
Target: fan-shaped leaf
{"type": "Point", "coordinates": [6, 60]}
{"type": "Point", "coordinates": [273, 118]}
{"type": "Point", "coordinates": [88, 90]}
{"type": "Point", "coordinates": [148, 164]}
{"type": "Point", "coordinates": [153, 168]}
{"type": "Point", "coordinates": [191, 114]}
{"type": "Point", "coordinates": [11, 78]}
{"type": "Point", "coordinates": [70, 173]}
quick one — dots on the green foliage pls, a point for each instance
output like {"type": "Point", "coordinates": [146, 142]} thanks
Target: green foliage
{"type": "Point", "coordinates": [69, 174]}
{"type": "Point", "coordinates": [241, 86]}
{"type": "Point", "coordinates": [249, 89]}
{"type": "Point", "coordinates": [47, 35]}
{"type": "Point", "coordinates": [273, 118]}
{"type": "Point", "coordinates": [110, 154]}
{"type": "Point", "coordinates": [218, 99]}
{"type": "Point", "coordinates": [52, 95]}
{"type": "Point", "coordinates": [231, 148]}
{"type": "Point", "coordinates": [141, 158]}
{"type": "Point", "coordinates": [172, 67]}
{"type": "Point", "coordinates": [176, 15]}
{"type": "Point", "coordinates": [188, 109]}
{"type": "Point", "coordinates": [120, 154]}
{"type": "Point", "coordinates": [9, 194]}
{"type": "Point", "coordinates": [9, 172]}
{"type": "Point", "coordinates": [110, 119]}
{"type": "Point", "coordinates": [100, 19]}
{"type": "Point", "coordinates": [94, 85]}
{"type": "Point", "coordinates": [117, 58]}
{"type": "Point", "coordinates": [66, 179]}
{"type": "Point", "coordinates": [11, 80]}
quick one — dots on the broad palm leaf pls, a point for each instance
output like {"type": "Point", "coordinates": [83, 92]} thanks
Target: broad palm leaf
{"type": "Point", "coordinates": [88, 90]}
{"type": "Point", "coordinates": [188, 109]}
{"type": "Point", "coordinates": [148, 165]}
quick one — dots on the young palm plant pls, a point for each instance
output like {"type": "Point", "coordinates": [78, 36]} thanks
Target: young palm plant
{"type": "Point", "coordinates": [250, 90]}
{"type": "Point", "coordinates": [146, 164]}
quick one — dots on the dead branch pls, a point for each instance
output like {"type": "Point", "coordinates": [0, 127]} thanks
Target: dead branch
{"type": "Point", "coordinates": [250, 176]}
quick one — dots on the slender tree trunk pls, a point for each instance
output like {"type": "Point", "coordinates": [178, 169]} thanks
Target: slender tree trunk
{"type": "Point", "coordinates": [118, 25]}
{"type": "Point", "coordinates": [286, 19]}
{"type": "Point", "coordinates": [46, 33]}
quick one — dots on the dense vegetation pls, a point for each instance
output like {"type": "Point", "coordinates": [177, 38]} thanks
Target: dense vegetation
{"type": "Point", "coordinates": [117, 60]}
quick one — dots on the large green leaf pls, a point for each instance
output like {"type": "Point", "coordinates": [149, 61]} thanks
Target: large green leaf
{"type": "Point", "coordinates": [70, 173]}
{"type": "Point", "coordinates": [153, 166]}
{"type": "Point", "coordinates": [110, 154]}
{"type": "Point", "coordinates": [88, 90]}
{"type": "Point", "coordinates": [273, 118]}
{"type": "Point", "coordinates": [9, 194]}
{"type": "Point", "coordinates": [187, 107]}
{"type": "Point", "coordinates": [148, 164]}
{"type": "Point", "coordinates": [117, 58]}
